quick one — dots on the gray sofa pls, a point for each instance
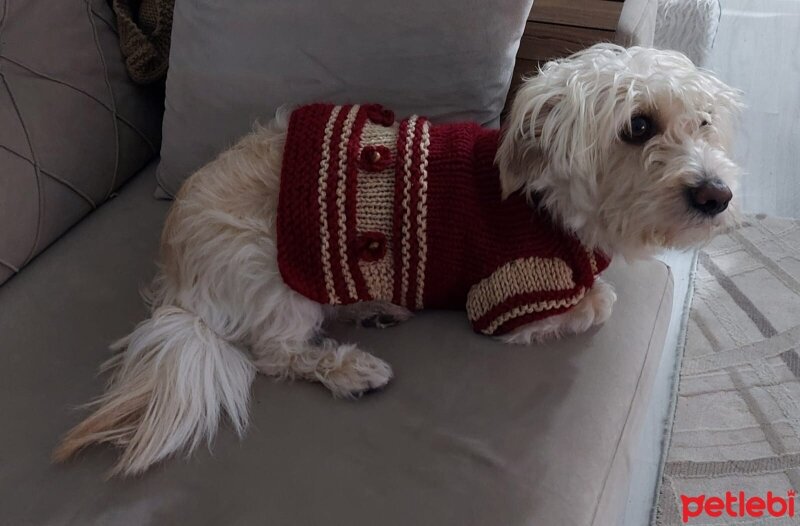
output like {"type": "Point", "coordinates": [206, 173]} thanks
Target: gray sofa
{"type": "Point", "coordinates": [470, 432]}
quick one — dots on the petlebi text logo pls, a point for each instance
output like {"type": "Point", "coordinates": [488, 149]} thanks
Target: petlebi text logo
{"type": "Point", "coordinates": [736, 505]}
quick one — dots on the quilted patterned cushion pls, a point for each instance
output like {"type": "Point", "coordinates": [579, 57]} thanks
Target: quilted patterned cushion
{"type": "Point", "coordinates": [73, 127]}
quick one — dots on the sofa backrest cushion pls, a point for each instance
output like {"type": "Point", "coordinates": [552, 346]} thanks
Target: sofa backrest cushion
{"type": "Point", "coordinates": [233, 63]}
{"type": "Point", "coordinates": [73, 127]}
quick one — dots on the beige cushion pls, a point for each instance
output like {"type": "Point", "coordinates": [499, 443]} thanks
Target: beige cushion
{"type": "Point", "coordinates": [74, 128]}
{"type": "Point", "coordinates": [469, 432]}
{"type": "Point", "coordinates": [234, 62]}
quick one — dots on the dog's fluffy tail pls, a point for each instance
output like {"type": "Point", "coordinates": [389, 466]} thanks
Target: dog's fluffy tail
{"type": "Point", "coordinates": [166, 392]}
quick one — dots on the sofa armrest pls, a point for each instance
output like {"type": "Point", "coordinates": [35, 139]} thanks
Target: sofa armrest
{"type": "Point", "coordinates": [637, 23]}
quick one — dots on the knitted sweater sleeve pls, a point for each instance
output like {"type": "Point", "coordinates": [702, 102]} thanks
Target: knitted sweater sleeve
{"type": "Point", "coordinates": [527, 290]}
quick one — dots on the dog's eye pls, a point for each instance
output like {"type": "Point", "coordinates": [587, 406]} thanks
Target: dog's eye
{"type": "Point", "coordinates": [641, 130]}
{"type": "Point", "coordinates": [704, 124]}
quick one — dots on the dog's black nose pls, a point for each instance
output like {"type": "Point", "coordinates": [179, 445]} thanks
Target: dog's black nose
{"type": "Point", "coordinates": [710, 197]}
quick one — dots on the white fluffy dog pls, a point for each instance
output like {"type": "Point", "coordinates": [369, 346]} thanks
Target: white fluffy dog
{"type": "Point", "coordinates": [626, 148]}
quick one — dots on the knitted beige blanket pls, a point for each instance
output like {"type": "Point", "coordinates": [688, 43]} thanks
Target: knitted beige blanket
{"type": "Point", "coordinates": [144, 37]}
{"type": "Point", "coordinates": [736, 429]}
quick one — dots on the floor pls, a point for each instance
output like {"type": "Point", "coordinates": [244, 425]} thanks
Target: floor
{"type": "Point", "coordinates": [756, 51]}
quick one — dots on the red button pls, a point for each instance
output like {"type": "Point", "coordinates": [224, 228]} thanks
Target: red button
{"type": "Point", "coordinates": [372, 246]}
{"type": "Point", "coordinates": [380, 115]}
{"type": "Point", "coordinates": [375, 158]}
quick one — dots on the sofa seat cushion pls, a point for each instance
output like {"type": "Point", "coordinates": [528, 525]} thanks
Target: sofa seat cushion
{"type": "Point", "coordinates": [469, 432]}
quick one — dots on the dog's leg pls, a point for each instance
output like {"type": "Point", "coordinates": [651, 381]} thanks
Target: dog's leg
{"type": "Point", "coordinates": [344, 369]}
{"type": "Point", "coordinates": [373, 314]}
{"type": "Point", "coordinates": [594, 309]}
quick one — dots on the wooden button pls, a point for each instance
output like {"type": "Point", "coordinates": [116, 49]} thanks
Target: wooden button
{"type": "Point", "coordinates": [375, 158]}
{"type": "Point", "coordinates": [372, 246]}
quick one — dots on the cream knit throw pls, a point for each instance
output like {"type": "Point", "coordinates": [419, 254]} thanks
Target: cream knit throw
{"type": "Point", "coordinates": [688, 26]}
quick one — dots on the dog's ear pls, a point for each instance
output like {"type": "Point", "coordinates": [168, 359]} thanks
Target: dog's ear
{"type": "Point", "coordinates": [520, 155]}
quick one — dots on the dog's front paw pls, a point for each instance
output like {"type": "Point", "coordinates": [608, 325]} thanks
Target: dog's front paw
{"type": "Point", "coordinates": [594, 309]}
{"type": "Point", "coordinates": [602, 298]}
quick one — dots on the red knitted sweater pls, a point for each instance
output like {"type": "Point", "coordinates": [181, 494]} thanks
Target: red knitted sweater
{"type": "Point", "coordinates": [411, 213]}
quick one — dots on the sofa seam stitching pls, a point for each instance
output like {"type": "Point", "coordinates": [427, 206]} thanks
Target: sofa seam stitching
{"type": "Point", "coordinates": [86, 93]}
{"type": "Point", "coordinates": [112, 98]}
{"type": "Point", "coordinates": [630, 406]}
{"type": "Point", "coordinates": [11, 267]}
{"type": "Point", "coordinates": [53, 176]}
{"type": "Point", "coordinates": [36, 170]}
{"type": "Point", "coordinates": [680, 350]}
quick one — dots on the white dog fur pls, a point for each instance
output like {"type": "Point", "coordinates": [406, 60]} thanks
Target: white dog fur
{"type": "Point", "coordinates": [220, 311]}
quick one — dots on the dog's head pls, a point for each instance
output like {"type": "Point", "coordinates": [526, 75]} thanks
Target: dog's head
{"type": "Point", "coordinates": [628, 148]}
